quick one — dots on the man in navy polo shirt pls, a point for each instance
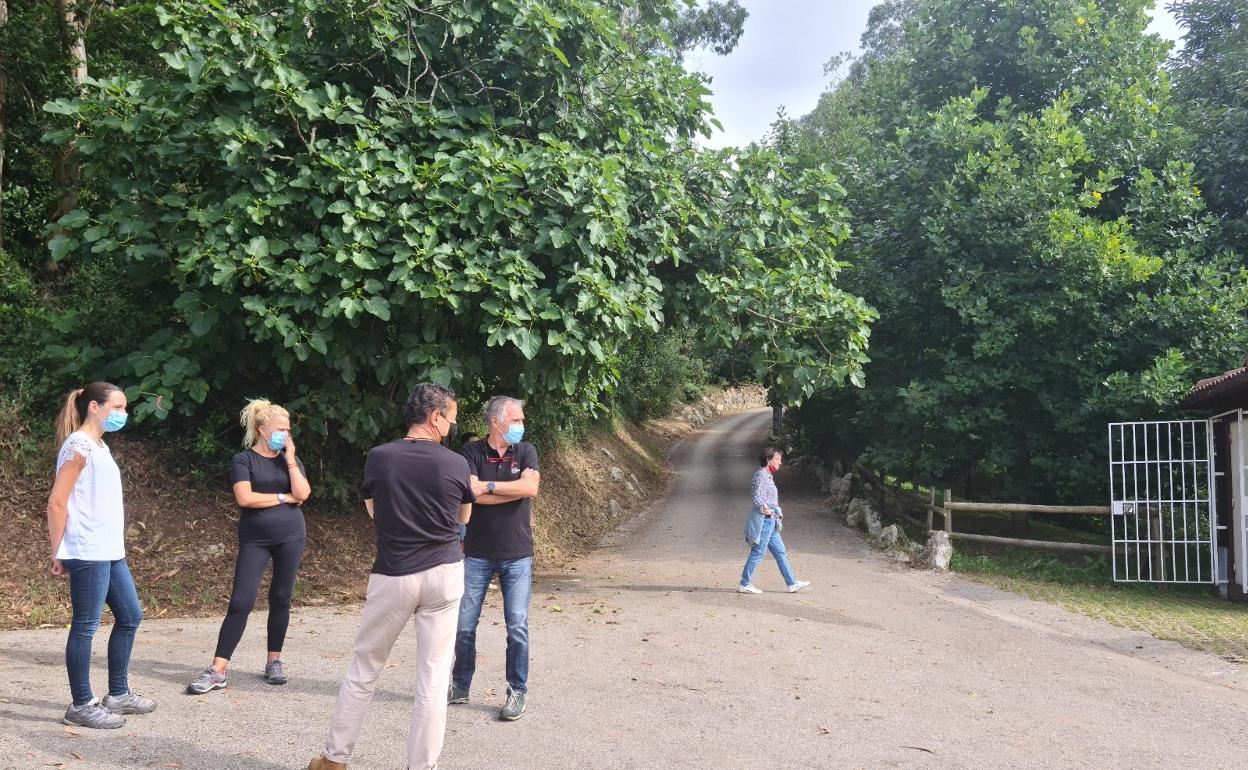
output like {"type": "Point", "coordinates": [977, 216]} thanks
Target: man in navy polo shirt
{"type": "Point", "coordinates": [499, 541]}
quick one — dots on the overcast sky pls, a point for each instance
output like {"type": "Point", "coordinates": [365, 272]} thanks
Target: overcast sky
{"type": "Point", "coordinates": [779, 60]}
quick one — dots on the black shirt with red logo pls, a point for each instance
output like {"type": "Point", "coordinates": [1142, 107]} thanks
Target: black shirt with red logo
{"type": "Point", "coordinates": [503, 531]}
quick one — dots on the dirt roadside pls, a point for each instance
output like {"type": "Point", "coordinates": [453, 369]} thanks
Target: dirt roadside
{"type": "Point", "coordinates": [181, 538]}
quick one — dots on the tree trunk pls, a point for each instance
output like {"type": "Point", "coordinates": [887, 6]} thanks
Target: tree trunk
{"type": "Point", "coordinates": [777, 420]}
{"type": "Point", "coordinates": [4, 81]}
{"type": "Point", "coordinates": [74, 16]}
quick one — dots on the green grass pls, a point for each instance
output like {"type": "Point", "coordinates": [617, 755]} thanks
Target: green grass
{"type": "Point", "coordinates": [1193, 616]}
{"type": "Point", "coordinates": [41, 597]}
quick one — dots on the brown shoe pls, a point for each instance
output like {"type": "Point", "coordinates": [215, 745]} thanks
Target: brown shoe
{"type": "Point", "coordinates": [321, 763]}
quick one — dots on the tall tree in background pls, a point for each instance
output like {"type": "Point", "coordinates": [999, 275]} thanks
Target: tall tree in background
{"type": "Point", "coordinates": [1031, 236]}
{"type": "Point", "coordinates": [1211, 79]}
{"type": "Point", "coordinates": [75, 16]}
{"type": "Point", "coordinates": [4, 82]}
{"type": "Point", "coordinates": [716, 25]}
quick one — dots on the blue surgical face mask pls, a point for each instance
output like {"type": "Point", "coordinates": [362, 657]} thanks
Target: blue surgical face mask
{"type": "Point", "coordinates": [277, 441]}
{"type": "Point", "coordinates": [116, 420]}
{"type": "Point", "coordinates": [514, 434]}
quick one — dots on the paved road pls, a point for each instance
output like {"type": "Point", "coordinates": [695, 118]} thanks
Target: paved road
{"type": "Point", "coordinates": [645, 656]}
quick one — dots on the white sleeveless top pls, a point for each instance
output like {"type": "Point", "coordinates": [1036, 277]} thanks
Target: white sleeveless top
{"type": "Point", "coordinates": [96, 527]}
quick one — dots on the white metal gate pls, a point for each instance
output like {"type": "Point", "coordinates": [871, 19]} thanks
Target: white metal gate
{"type": "Point", "coordinates": [1162, 502]}
{"type": "Point", "coordinates": [1238, 431]}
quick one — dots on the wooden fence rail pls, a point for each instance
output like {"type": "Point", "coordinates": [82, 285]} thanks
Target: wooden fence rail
{"type": "Point", "coordinates": [947, 506]}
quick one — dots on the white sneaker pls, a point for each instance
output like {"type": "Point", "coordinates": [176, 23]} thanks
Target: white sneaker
{"type": "Point", "coordinates": [799, 585]}
{"type": "Point", "coordinates": [750, 589]}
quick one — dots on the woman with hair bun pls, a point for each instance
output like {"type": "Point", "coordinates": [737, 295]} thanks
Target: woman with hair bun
{"type": "Point", "coordinates": [269, 485]}
{"type": "Point", "coordinates": [86, 525]}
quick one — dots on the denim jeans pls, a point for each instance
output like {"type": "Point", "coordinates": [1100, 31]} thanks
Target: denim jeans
{"type": "Point", "coordinates": [769, 540]}
{"type": "Point", "coordinates": [515, 578]}
{"type": "Point", "coordinates": [92, 584]}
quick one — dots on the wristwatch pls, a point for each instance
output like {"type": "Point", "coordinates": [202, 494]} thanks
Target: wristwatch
{"type": "Point", "coordinates": [489, 487]}
{"type": "Point", "coordinates": [281, 498]}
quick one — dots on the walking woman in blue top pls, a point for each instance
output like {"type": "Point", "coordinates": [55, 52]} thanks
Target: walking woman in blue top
{"type": "Point", "coordinates": [86, 524]}
{"type": "Point", "coordinates": [763, 524]}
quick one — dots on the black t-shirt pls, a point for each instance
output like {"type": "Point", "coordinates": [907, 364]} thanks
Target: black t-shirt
{"type": "Point", "coordinates": [268, 475]}
{"type": "Point", "coordinates": [416, 488]}
{"type": "Point", "coordinates": [503, 531]}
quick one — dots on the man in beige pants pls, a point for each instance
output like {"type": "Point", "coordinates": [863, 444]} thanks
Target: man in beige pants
{"type": "Point", "coordinates": [418, 493]}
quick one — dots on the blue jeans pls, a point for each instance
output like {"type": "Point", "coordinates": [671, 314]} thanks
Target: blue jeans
{"type": "Point", "coordinates": [769, 540]}
{"type": "Point", "coordinates": [92, 584]}
{"type": "Point", "coordinates": [515, 578]}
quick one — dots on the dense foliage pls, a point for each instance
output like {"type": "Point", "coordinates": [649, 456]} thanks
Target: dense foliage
{"type": "Point", "coordinates": [325, 202]}
{"type": "Point", "coordinates": [1211, 80]}
{"type": "Point", "coordinates": [1032, 235]}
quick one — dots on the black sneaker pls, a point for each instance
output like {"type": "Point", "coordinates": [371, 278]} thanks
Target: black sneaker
{"type": "Point", "coordinates": [456, 694]}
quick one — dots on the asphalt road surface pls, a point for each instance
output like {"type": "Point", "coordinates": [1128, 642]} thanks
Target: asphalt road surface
{"type": "Point", "coordinates": [645, 656]}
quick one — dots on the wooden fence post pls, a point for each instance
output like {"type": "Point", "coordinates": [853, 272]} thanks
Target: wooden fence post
{"type": "Point", "coordinates": [1021, 522]}
{"type": "Point", "coordinates": [948, 510]}
{"type": "Point", "coordinates": [930, 512]}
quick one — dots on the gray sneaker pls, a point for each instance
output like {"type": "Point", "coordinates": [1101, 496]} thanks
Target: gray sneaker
{"type": "Point", "coordinates": [209, 680]}
{"type": "Point", "coordinates": [130, 703]}
{"type": "Point", "coordinates": [274, 673]}
{"type": "Point", "coordinates": [92, 714]}
{"type": "Point", "coordinates": [456, 694]}
{"type": "Point", "coordinates": [514, 708]}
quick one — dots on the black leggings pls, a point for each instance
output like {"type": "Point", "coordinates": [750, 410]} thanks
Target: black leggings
{"type": "Point", "coordinates": [248, 570]}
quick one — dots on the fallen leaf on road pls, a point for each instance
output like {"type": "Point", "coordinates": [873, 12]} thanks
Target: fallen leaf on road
{"type": "Point", "coordinates": [76, 755]}
{"type": "Point", "coordinates": [71, 731]}
{"type": "Point", "coordinates": [825, 730]}
{"type": "Point", "coordinates": [919, 748]}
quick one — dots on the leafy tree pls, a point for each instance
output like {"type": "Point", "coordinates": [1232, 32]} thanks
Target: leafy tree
{"type": "Point", "coordinates": [1034, 242]}
{"type": "Point", "coordinates": [1211, 79]}
{"type": "Point", "coordinates": [59, 320]}
{"type": "Point", "coordinates": [715, 25]}
{"type": "Point", "coordinates": [329, 201]}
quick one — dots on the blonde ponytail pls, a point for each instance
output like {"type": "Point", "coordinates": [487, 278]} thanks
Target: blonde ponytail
{"type": "Point", "coordinates": [257, 412]}
{"type": "Point", "coordinates": [68, 420]}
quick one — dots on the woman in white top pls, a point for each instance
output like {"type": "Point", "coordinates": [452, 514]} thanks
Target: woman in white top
{"type": "Point", "coordinates": [86, 525]}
